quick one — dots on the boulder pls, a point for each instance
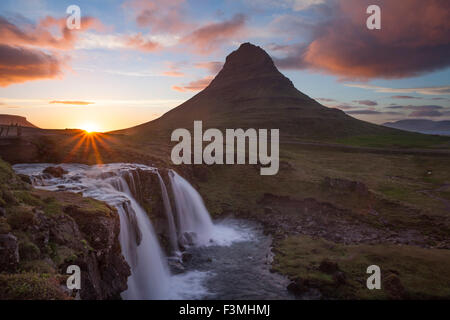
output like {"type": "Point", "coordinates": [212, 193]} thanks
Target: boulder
{"type": "Point", "coordinates": [56, 172]}
{"type": "Point", "coordinates": [346, 186]}
{"type": "Point", "coordinates": [9, 253]}
{"type": "Point", "coordinates": [328, 266]}
{"type": "Point", "coordinates": [394, 287]}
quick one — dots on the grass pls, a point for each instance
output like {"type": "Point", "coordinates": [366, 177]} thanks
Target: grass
{"type": "Point", "coordinates": [30, 286]}
{"type": "Point", "coordinates": [397, 178]}
{"type": "Point", "coordinates": [400, 140]}
{"type": "Point", "coordinates": [423, 273]}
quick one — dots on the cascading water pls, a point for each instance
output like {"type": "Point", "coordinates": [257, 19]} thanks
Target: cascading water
{"type": "Point", "coordinates": [194, 223]}
{"type": "Point", "coordinates": [169, 215]}
{"type": "Point", "coordinates": [118, 185]}
{"type": "Point", "coordinates": [150, 278]}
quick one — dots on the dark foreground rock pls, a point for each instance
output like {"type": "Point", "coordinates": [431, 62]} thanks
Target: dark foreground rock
{"type": "Point", "coordinates": [9, 253]}
{"type": "Point", "coordinates": [56, 172]}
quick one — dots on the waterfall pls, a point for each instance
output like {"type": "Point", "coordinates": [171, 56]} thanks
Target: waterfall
{"type": "Point", "coordinates": [118, 185]}
{"type": "Point", "coordinates": [194, 223]}
{"type": "Point", "coordinates": [150, 276]}
{"type": "Point", "coordinates": [169, 215]}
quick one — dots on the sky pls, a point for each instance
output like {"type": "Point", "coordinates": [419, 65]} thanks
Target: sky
{"type": "Point", "coordinates": [133, 60]}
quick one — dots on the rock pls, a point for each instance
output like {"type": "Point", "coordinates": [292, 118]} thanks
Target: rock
{"type": "Point", "coordinates": [297, 287]}
{"type": "Point", "coordinates": [25, 178]}
{"type": "Point", "coordinates": [186, 257]}
{"type": "Point", "coordinates": [9, 253]}
{"type": "Point", "coordinates": [328, 267]}
{"type": "Point", "coordinates": [189, 238]}
{"type": "Point", "coordinates": [394, 288]}
{"type": "Point", "coordinates": [56, 172]}
{"type": "Point", "coordinates": [339, 278]}
{"type": "Point", "coordinates": [175, 266]}
{"type": "Point", "coordinates": [268, 210]}
{"type": "Point", "coordinates": [108, 271]}
{"type": "Point", "coordinates": [346, 185]}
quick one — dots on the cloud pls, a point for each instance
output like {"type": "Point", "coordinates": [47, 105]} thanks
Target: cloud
{"type": "Point", "coordinates": [22, 55]}
{"type": "Point", "coordinates": [405, 97]}
{"type": "Point", "coordinates": [366, 102]}
{"type": "Point", "coordinates": [295, 5]}
{"type": "Point", "coordinates": [166, 16]}
{"type": "Point", "coordinates": [342, 45]}
{"type": "Point", "coordinates": [425, 113]}
{"type": "Point", "coordinates": [194, 86]}
{"type": "Point", "coordinates": [421, 107]}
{"type": "Point", "coordinates": [174, 69]}
{"type": "Point", "coordinates": [18, 65]}
{"type": "Point", "coordinates": [438, 90]}
{"type": "Point", "coordinates": [78, 103]}
{"type": "Point", "coordinates": [211, 36]}
{"type": "Point", "coordinates": [213, 67]}
{"type": "Point", "coordinates": [173, 73]}
{"type": "Point", "coordinates": [299, 5]}
{"type": "Point", "coordinates": [139, 42]}
{"type": "Point", "coordinates": [363, 112]}
{"type": "Point", "coordinates": [326, 99]}
{"type": "Point", "coordinates": [373, 112]}
{"type": "Point", "coordinates": [395, 107]}
{"type": "Point", "coordinates": [43, 34]}
{"type": "Point", "coordinates": [421, 110]}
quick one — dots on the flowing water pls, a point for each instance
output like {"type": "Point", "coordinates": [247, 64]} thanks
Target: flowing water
{"type": "Point", "coordinates": [229, 259]}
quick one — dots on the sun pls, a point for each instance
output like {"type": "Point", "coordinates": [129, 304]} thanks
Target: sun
{"type": "Point", "coordinates": [90, 127]}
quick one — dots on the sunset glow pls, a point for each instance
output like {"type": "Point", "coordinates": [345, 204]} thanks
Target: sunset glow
{"type": "Point", "coordinates": [90, 127]}
{"type": "Point", "coordinates": [125, 66]}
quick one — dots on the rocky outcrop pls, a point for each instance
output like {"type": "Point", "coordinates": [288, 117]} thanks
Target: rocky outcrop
{"type": "Point", "coordinates": [42, 233]}
{"type": "Point", "coordinates": [85, 233]}
{"type": "Point", "coordinates": [9, 253]}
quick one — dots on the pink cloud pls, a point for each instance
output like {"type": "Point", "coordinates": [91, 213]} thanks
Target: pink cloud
{"type": "Point", "coordinates": [210, 36]}
{"type": "Point", "coordinates": [166, 16]}
{"type": "Point", "coordinates": [138, 42]}
{"type": "Point", "coordinates": [213, 67]}
{"type": "Point", "coordinates": [18, 65]}
{"type": "Point", "coordinates": [194, 86]}
{"type": "Point", "coordinates": [43, 34]}
{"type": "Point", "coordinates": [413, 40]}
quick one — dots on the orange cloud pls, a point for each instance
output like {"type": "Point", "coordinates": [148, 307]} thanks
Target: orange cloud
{"type": "Point", "coordinates": [18, 65]}
{"type": "Point", "coordinates": [173, 73]}
{"type": "Point", "coordinates": [194, 86]}
{"type": "Point", "coordinates": [20, 57]}
{"type": "Point", "coordinates": [79, 103]}
{"type": "Point", "coordinates": [414, 39]}
{"type": "Point", "coordinates": [213, 67]}
{"type": "Point", "coordinates": [42, 35]}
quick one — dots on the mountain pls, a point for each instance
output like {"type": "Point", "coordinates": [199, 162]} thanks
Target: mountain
{"type": "Point", "coordinates": [250, 92]}
{"type": "Point", "coordinates": [422, 126]}
{"type": "Point", "coordinates": [7, 119]}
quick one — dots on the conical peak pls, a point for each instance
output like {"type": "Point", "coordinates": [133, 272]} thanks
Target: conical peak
{"type": "Point", "coordinates": [249, 64]}
{"type": "Point", "coordinates": [248, 55]}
